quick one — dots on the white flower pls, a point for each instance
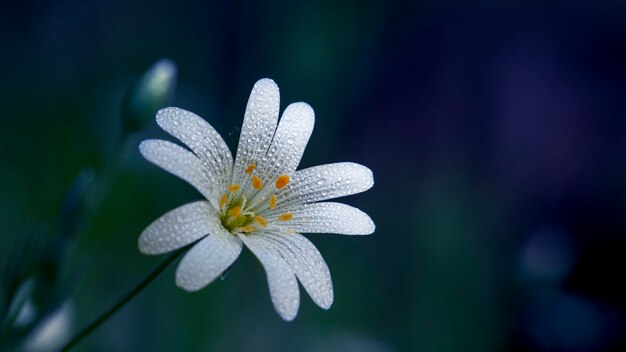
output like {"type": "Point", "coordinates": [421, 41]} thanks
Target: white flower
{"type": "Point", "coordinates": [260, 200]}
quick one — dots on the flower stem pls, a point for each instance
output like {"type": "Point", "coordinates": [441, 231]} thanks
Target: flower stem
{"type": "Point", "coordinates": [125, 299]}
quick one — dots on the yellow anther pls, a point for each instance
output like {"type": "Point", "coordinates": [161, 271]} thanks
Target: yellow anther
{"type": "Point", "coordinates": [223, 200]}
{"type": "Point", "coordinates": [261, 220]}
{"type": "Point", "coordinates": [250, 168]}
{"type": "Point", "coordinates": [281, 181]}
{"type": "Point", "coordinates": [248, 229]}
{"type": "Point", "coordinates": [285, 217]}
{"type": "Point", "coordinates": [236, 212]}
{"type": "Point", "coordinates": [272, 202]}
{"type": "Point", "coordinates": [256, 182]}
{"type": "Point", "coordinates": [233, 188]}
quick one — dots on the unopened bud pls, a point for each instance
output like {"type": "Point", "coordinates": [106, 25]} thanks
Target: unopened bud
{"type": "Point", "coordinates": [151, 92]}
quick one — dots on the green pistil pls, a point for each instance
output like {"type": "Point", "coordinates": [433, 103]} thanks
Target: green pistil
{"type": "Point", "coordinates": [242, 220]}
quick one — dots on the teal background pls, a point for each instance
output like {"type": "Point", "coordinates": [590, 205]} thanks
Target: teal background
{"type": "Point", "coordinates": [495, 132]}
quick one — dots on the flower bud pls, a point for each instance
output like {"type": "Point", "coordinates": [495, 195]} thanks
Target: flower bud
{"type": "Point", "coordinates": [151, 92]}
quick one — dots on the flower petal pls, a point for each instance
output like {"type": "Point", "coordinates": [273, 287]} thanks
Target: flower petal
{"type": "Point", "coordinates": [180, 162]}
{"type": "Point", "coordinates": [307, 263]}
{"type": "Point", "coordinates": [290, 139]}
{"type": "Point", "coordinates": [328, 217]}
{"type": "Point", "coordinates": [203, 140]}
{"type": "Point", "coordinates": [323, 182]}
{"type": "Point", "coordinates": [207, 260]}
{"type": "Point", "coordinates": [177, 228]}
{"type": "Point", "coordinates": [259, 125]}
{"type": "Point", "coordinates": [282, 282]}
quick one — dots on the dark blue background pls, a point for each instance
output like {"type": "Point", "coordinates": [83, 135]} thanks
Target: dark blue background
{"type": "Point", "coordinates": [495, 131]}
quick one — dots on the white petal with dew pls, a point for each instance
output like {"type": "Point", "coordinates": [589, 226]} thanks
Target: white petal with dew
{"type": "Point", "coordinates": [323, 182]}
{"type": "Point", "coordinates": [281, 280]}
{"type": "Point", "coordinates": [290, 140]}
{"type": "Point", "coordinates": [203, 140]}
{"type": "Point", "coordinates": [180, 162]}
{"type": "Point", "coordinates": [327, 217]}
{"type": "Point", "coordinates": [259, 125]}
{"type": "Point", "coordinates": [285, 152]}
{"type": "Point", "coordinates": [206, 260]}
{"type": "Point", "coordinates": [178, 228]}
{"type": "Point", "coordinates": [306, 262]}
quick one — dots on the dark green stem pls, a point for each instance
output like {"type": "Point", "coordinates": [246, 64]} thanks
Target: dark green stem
{"type": "Point", "coordinates": [132, 293]}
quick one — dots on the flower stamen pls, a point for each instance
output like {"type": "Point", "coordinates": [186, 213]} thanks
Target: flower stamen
{"type": "Point", "coordinates": [256, 182]}
{"type": "Point", "coordinates": [261, 220]}
{"type": "Point", "coordinates": [281, 181]}
{"type": "Point", "coordinates": [223, 200]}
{"type": "Point", "coordinates": [250, 168]}
{"type": "Point", "coordinates": [248, 229]}
{"type": "Point", "coordinates": [236, 212]}
{"type": "Point", "coordinates": [233, 188]}
{"type": "Point", "coordinates": [285, 217]}
{"type": "Point", "coordinates": [273, 202]}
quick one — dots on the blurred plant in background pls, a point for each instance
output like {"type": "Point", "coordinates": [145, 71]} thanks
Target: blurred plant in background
{"type": "Point", "coordinates": [36, 284]}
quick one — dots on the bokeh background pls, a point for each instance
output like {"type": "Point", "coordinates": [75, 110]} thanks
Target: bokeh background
{"type": "Point", "coordinates": [496, 132]}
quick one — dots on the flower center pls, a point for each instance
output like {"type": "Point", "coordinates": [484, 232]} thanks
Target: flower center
{"type": "Point", "coordinates": [242, 212]}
